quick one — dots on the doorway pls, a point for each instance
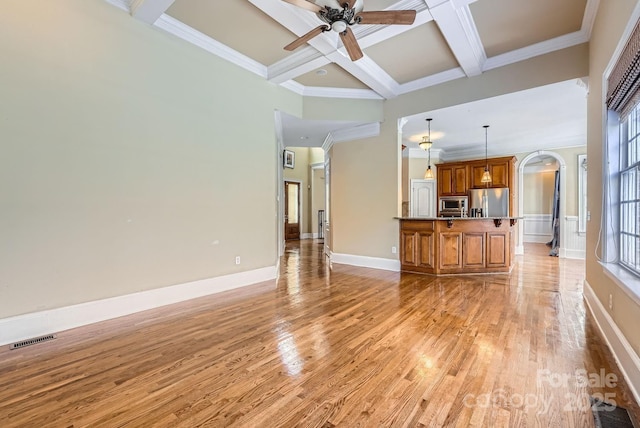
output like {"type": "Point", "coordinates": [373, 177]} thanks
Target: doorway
{"type": "Point", "coordinates": [545, 224]}
{"type": "Point", "coordinates": [291, 210]}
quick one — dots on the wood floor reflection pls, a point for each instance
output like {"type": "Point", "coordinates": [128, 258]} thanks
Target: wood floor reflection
{"type": "Point", "coordinates": [323, 347]}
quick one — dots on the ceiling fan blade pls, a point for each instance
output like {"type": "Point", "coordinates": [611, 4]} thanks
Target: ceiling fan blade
{"type": "Point", "coordinates": [305, 38]}
{"type": "Point", "coordinates": [403, 17]}
{"type": "Point", "coordinates": [349, 3]}
{"type": "Point", "coordinates": [305, 5]}
{"type": "Point", "coordinates": [351, 44]}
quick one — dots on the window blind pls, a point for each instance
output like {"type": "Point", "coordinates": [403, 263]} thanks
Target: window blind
{"type": "Point", "coordinates": [623, 91]}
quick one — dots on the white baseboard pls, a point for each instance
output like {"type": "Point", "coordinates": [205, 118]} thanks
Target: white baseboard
{"type": "Point", "coordinates": [309, 236]}
{"type": "Point", "coordinates": [519, 250]}
{"type": "Point", "coordinates": [625, 356]}
{"type": "Point", "coordinates": [365, 261]}
{"type": "Point", "coordinates": [575, 254]}
{"type": "Point", "coordinates": [21, 327]}
{"type": "Point", "coordinates": [538, 239]}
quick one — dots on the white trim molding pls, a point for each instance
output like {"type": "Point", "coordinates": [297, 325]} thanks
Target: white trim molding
{"type": "Point", "coordinates": [576, 242]}
{"type": "Point", "coordinates": [21, 327]}
{"type": "Point", "coordinates": [366, 261]}
{"type": "Point", "coordinates": [537, 228]}
{"type": "Point", "coordinates": [624, 354]}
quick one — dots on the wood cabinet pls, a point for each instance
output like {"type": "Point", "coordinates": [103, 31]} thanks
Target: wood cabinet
{"type": "Point", "coordinates": [501, 170]}
{"type": "Point", "coordinates": [456, 178]}
{"type": "Point", "coordinates": [417, 247]}
{"type": "Point", "coordinates": [452, 179]}
{"type": "Point", "coordinates": [456, 246]}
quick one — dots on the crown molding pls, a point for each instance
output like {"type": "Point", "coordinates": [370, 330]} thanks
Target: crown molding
{"type": "Point", "coordinates": [418, 153]}
{"type": "Point", "coordinates": [302, 61]}
{"type": "Point", "coordinates": [433, 80]}
{"type": "Point", "coordinates": [178, 29]}
{"type": "Point", "coordinates": [355, 133]}
{"type": "Point", "coordinates": [362, 94]}
{"type": "Point", "coordinates": [537, 49]}
{"type": "Point", "coordinates": [589, 17]}
{"type": "Point", "coordinates": [149, 11]}
{"type": "Point", "coordinates": [120, 4]}
{"type": "Point", "coordinates": [328, 143]}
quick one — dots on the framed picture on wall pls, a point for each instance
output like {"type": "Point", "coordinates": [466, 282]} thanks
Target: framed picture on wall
{"type": "Point", "coordinates": [289, 159]}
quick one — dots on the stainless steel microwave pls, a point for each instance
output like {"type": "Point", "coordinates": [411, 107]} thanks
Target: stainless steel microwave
{"type": "Point", "coordinates": [453, 206]}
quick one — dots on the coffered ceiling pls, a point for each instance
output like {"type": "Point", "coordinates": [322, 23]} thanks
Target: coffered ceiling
{"type": "Point", "coordinates": [450, 39]}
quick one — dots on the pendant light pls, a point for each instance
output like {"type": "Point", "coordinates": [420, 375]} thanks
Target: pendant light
{"type": "Point", "coordinates": [426, 143]}
{"type": "Point", "coordinates": [428, 174]}
{"type": "Point", "coordinates": [486, 177]}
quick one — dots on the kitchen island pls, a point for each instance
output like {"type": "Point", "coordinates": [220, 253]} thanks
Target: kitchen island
{"type": "Point", "coordinates": [457, 245]}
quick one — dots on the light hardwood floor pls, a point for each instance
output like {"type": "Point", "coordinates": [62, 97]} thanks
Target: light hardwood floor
{"type": "Point", "coordinates": [344, 347]}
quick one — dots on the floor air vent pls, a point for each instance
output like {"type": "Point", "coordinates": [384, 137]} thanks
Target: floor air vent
{"type": "Point", "coordinates": [33, 341]}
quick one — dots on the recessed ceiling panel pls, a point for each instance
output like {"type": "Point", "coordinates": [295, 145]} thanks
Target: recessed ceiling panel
{"type": "Point", "coordinates": [237, 24]}
{"type": "Point", "coordinates": [506, 25]}
{"type": "Point", "coordinates": [416, 53]}
{"type": "Point", "coordinates": [335, 77]}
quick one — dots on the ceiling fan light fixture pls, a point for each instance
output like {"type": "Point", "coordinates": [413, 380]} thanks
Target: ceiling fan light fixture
{"type": "Point", "coordinates": [339, 26]}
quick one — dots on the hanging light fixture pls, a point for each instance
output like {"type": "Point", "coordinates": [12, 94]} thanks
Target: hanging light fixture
{"type": "Point", "coordinates": [486, 176]}
{"type": "Point", "coordinates": [428, 174]}
{"type": "Point", "coordinates": [426, 143]}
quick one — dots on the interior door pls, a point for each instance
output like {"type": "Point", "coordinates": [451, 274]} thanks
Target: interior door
{"type": "Point", "coordinates": [291, 210]}
{"type": "Point", "coordinates": [422, 200]}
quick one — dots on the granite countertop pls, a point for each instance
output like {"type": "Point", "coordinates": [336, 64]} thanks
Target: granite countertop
{"type": "Point", "coordinates": [459, 218]}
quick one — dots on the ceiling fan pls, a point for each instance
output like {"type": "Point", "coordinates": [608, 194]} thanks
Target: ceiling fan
{"type": "Point", "coordinates": [340, 15]}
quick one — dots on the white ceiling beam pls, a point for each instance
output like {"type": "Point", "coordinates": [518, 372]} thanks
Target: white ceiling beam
{"type": "Point", "coordinates": [300, 21]}
{"type": "Point", "coordinates": [149, 11]}
{"type": "Point", "coordinates": [457, 26]}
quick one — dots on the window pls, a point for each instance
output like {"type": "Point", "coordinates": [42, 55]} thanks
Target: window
{"type": "Point", "coordinates": [629, 148]}
{"type": "Point", "coordinates": [622, 164]}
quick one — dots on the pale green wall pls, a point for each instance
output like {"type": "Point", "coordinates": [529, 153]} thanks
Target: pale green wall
{"type": "Point", "coordinates": [120, 169]}
{"type": "Point", "coordinates": [610, 23]}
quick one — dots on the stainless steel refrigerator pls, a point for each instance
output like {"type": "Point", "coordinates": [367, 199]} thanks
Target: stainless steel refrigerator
{"type": "Point", "coordinates": [494, 201]}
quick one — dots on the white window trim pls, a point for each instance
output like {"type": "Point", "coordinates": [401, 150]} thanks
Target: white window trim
{"type": "Point", "coordinates": [582, 194]}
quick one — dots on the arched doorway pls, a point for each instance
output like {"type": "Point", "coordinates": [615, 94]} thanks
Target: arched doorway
{"type": "Point", "coordinates": [562, 167]}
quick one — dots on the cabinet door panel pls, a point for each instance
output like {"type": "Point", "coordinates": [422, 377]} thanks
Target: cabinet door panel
{"type": "Point", "coordinates": [409, 249]}
{"type": "Point", "coordinates": [445, 181]}
{"type": "Point", "coordinates": [460, 182]}
{"type": "Point", "coordinates": [474, 249]}
{"type": "Point", "coordinates": [427, 249]}
{"type": "Point", "coordinates": [476, 172]}
{"type": "Point", "coordinates": [450, 250]}
{"type": "Point", "coordinates": [500, 174]}
{"type": "Point", "coordinates": [497, 249]}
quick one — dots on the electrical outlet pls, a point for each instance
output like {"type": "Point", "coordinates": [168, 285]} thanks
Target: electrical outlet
{"type": "Point", "coordinates": [610, 302]}
{"type": "Point", "coordinates": [394, 250]}
{"type": "Point", "coordinates": [237, 260]}
{"type": "Point", "coordinates": [588, 215]}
